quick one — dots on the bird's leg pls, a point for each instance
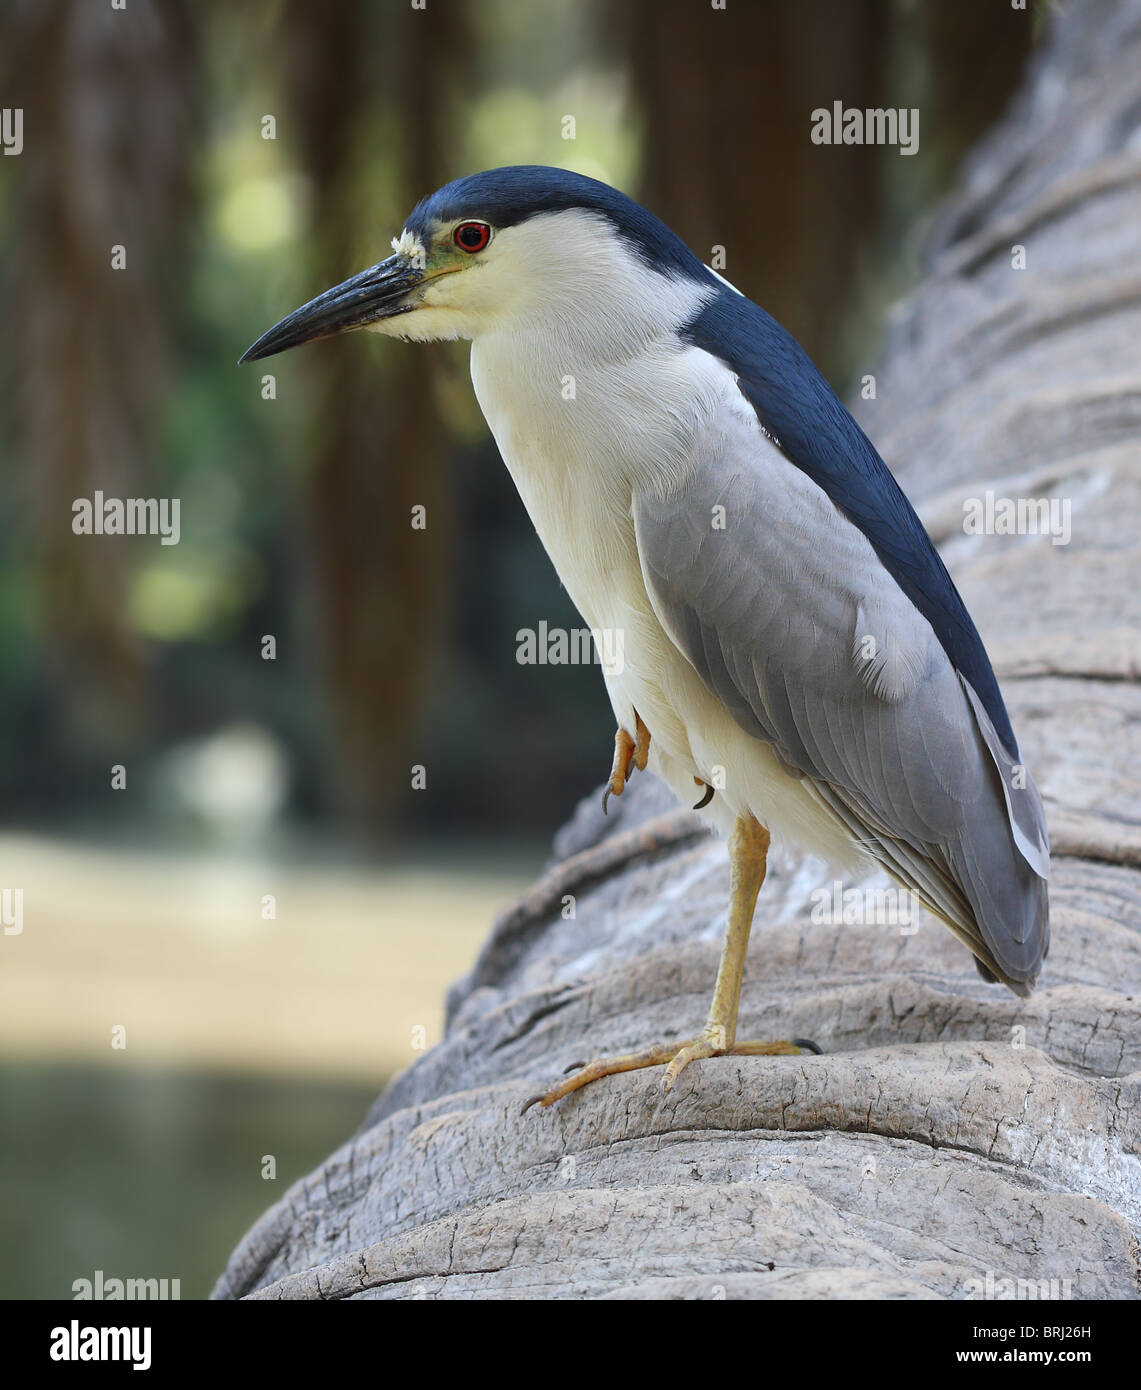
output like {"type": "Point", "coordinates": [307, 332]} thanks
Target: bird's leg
{"type": "Point", "coordinates": [748, 856]}
{"type": "Point", "coordinates": [748, 863]}
{"type": "Point", "coordinates": [629, 753]}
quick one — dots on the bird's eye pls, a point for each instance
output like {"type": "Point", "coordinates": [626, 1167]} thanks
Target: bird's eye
{"type": "Point", "coordinates": [472, 236]}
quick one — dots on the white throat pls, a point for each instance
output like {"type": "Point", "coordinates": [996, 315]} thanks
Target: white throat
{"type": "Point", "coordinates": [588, 390]}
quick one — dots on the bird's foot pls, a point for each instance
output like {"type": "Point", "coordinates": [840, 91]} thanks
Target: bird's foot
{"type": "Point", "coordinates": [629, 753]}
{"type": "Point", "coordinates": [710, 1043]}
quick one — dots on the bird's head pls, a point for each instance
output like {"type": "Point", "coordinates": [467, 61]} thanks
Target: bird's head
{"type": "Point", "coordinates": [509, 247]}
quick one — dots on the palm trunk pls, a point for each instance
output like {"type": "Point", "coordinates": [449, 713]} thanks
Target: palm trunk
{"type": "Point", "coordinates": [952, 1134]}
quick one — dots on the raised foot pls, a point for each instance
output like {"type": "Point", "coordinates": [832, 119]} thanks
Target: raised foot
{"type": "Point", "coordinates": [677, 1054]}
{"type": "Point", "coordinates": [629, 753]}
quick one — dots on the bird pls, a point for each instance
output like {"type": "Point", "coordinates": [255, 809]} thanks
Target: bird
{"type": "Point", "coordinates": [792, 645]}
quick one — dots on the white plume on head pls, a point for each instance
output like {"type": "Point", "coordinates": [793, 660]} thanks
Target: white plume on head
{"type": "Point", "coordinates": [409, 244]}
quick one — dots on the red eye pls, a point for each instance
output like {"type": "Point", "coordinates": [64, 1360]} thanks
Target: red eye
{"type": "Point", "coordinates": [472, 236]}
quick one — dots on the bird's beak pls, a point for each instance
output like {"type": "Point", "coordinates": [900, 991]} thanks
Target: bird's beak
{"type": "Point", "coordinates": [377, 293]}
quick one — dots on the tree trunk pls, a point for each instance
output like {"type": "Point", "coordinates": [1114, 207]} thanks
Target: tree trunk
{"type": "Point", "coordinates": [93, 342]}
{"type": "Point", "coordinates": [951, 1132]}
{"type": "Point", "coordinates": [379, 454]}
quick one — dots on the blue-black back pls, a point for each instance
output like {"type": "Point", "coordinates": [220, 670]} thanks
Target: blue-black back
{"type": "Point", "coordinates": [814, 430]}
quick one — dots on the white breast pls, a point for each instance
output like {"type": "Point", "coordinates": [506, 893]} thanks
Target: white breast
{"type": "Point", "coordinates": [576, 459]}
{"type": "Point", "coordinates": [590, 395]}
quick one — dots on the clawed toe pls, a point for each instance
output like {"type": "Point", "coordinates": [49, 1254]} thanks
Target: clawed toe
{"type": "Point", "coordinates": [677, 1055]}
{"type": "Point", "coordinates": [629, 753]}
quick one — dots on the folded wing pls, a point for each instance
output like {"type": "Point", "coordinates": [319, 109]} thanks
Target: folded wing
{"type": "Point", "coordinates": [788, 614]}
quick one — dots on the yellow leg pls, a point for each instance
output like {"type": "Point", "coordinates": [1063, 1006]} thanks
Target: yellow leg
{"type": "Point", "coordinates": [748, 855]}
{"type": "Point", "coordinates": [748, 863]}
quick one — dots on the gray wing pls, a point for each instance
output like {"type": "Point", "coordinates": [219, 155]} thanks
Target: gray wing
{"type": "Point", "coordinates": [784, 610]}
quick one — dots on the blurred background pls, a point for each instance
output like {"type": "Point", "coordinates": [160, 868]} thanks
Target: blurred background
{"type": "Point", "coordinates": [215, 840]}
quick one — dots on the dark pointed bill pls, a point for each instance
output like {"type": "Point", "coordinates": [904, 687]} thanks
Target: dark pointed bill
{"type": "Point", "coordinates": [377, 293]}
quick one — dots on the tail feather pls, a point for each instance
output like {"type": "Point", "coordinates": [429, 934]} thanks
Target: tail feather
{"type": "Point", "coordinates": [981, 885]}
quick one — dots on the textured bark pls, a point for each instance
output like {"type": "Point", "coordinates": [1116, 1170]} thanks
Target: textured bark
{"type": "Point", "coordinates": [950, 1129]}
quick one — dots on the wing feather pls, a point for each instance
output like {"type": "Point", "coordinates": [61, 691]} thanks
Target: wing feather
{"type": "Point", "coordinates": [781, 605]}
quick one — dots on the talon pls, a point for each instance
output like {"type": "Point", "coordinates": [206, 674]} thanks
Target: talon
{"type": "Point", "coordinates": [620, 768]}
{"type": "Point", "coordinates": [574, 1066]}
{"type": "Point", "coordinates": [707, 798]}
{"type": "Point", "coordinates": [629, 753]}
{"type": "Point", "coordinates": [807, 1045]}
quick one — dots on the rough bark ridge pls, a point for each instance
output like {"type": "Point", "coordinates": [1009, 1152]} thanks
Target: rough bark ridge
{"type": "Point", "coordinates": [929, 1146]}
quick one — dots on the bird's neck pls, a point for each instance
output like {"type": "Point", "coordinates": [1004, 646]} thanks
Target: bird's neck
{"type": "Point", "coordinates": [614, 407]}
{"type": "Point", "coordinates": [583, 425]}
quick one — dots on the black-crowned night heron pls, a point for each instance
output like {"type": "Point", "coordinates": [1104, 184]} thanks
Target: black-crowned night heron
{"type": "Point", "coordinates": [790, 637]}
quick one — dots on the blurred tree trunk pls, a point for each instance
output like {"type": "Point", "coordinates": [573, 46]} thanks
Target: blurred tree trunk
{"type": "Point", "coordinates": [951, 1134]}
{"type": "Point", "coordinates": [726, 96]}
{"type": "Point", "coordinates": [380, 450]}
{"type": "Point", "coordinates": [95, 173]}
